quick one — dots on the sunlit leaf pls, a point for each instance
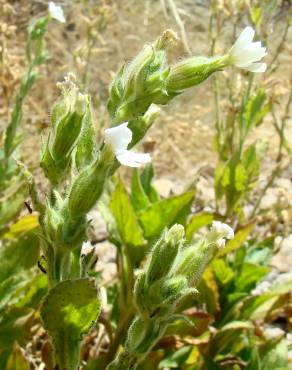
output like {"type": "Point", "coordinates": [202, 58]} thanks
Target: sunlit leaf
{"type": "Point", "coordinates": [249, 275]}
{"type": "Point", "coordinates": [24, 225]}
{"type": "Point", "coordinates": [126, 221]}
{"type": "Point", "coordinates": [146, 182]}
{"type": "Point", "coordinates": [138, 195]}
{"type": "Point", "coordinates": [14, 326]}
{"type": "Point", "coordinates": [164, 213]}
{"type": "Point", "coordinates": [222, 271]}
{"type": "Point", "coordinates": [176, 358]}
{"type": "Point", "coordinates": [68, 312]}
{"type": "Point", "coordinates": [198, 221]}
{"type": "Point", "coordinates": [17, 360]}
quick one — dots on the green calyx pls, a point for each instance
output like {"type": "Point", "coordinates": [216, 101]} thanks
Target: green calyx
{"type": "Point", "coordinates": [88, 185]}
{"type": "Point", "coordinates": [140, 83]}
{"type": "Point", "coordinates": [69, 116]}
{"type": "Point", "coordinates": [193, 71]}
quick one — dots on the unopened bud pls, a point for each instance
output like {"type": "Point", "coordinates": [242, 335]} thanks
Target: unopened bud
{"type": "Point", "coordinates": [164, 253]}
{"type": "Point", "coordinates": [87, 145]}
{"type": "Point", "coordinates": [193, 71]}
{"type": "Point", "coordinates": [140, 82]}
{"type": "Point", "coordinates": [53, 221]}
{"type": "Point", "coordinates": [141, 334]}
{"type": "Point", "coordinates": [194, 259]}
{"type": "Point", "coordinates": [88, 186]}
{"type": "Point", "coordinates": [68, 129]}
{"type": "Point", "coordinates": [139, 295]}
{"type": "Point", "coordinates": [167, 291]}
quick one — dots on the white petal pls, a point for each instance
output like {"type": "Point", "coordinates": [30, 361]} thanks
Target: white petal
{"type": "Point", "coordinates": [132, 159]}
{"type": "Point", "coordinates": [118, 137]}
{"type": "Point", "coordinates": [252, 53]}
{"type": "Point", "coordinates": [256, 67]}
{"type": "Point", "coordinates": [222, 229]}
{"type": "Point", "coordinates": [56, 12]}
{"type": "Point", "coordinates": [244, 39]}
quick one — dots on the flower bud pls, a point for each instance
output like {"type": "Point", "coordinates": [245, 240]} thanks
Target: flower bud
{"type": "Point", "coordinates": [164, 253]}
{"type": "Point", "coordinates": [141, 334]}
{"type": "Point", "coordinates": [49, 166]}
{"type": "Point", "coordinates": [193, 71]}
{"type": "Point", "coordinates": [69, 127]}
{"type": "Point", "coordinates": [193, 260]}
{"type": "Point", "coordinates": [140, 83]}
{"type": "Point", "coordinates": [167, 290]}
{"type": "Point", "coordinates": [140, 299]}
{"type": "Point", "coordinates": [53, 221]}
{"type": "Point", "coordinates": [88, 186]}
{"type": "Point", "coordinates": [124, 360]}
{"type": "Point", "coordinates": [86, 145]}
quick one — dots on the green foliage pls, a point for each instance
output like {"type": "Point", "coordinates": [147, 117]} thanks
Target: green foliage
{"type": "Point", "coordinates": [17, 360]}
{"type": "Point", "coordinates": [126, 219]}
{"type": "Point", "coordinates": [68, 312]}
{"type": "Point", "coordinates": [165, 213]}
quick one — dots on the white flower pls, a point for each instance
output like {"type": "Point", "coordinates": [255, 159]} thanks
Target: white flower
{"type": "Point", "coordinates": [220, 232]}
{"type": "Point", "coordinates": [119, 137]}
{"type": "Point", "coordinates": [56, 12]}
{"type": "Point", "coordinates": [245, 53]}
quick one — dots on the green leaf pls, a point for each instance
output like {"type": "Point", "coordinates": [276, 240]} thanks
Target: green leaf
{"type": "Point", "coordinates": [261, 253]}
{"type": "Point", "coordinates": [275, 356]}
{"type": "Point", "coordinates": [11, 207]}
{"type": "Point", "coordinates": [198, 221]}
{"type": "Point", "coordinates": [175, 359]}
{"type": "Point", "coordinates": [14, 326]}
{"type": "Point", "coordinates": [10, 285]}
{"type": "Point", "coordinates": [255, 110]}
{"type": "Point", "coordinates": [197, 323]}
{"type": "Point", "coordinates": [270, 356]}
{"type": "Point", "coordinates": [251, 160]}
{"type": "Point", "coordinates": [249, 275]}
{"type": "Point", "coordinates": [18, 255]}
{"type": "Point", "coordinates": [164, 213]}
{"type": "Point", "coordinates": [256, 15]}
{"type": "Point", "coordinates": [210, 364]}
{"type": "Point", "coordinates": [146, 179]}
{"type": "Point", "coordinates": [234, 325]}
{"type": "Point", "coordinates": [69, 311]}
{"type": "Point", "coordinates": [127, 223]}
{"type": "Point", "coordinates": [17, 360]}
{"type": "Point", "coordinates": [223, 272]}
{"type": "Point", "coordinates": [209, 291]}
{"type": "Point", "coordinates": [257, 307]}
{"type": "Point", "coordinates": [138, 195]}
{"type": "Point", "coordinates": [239, 238]}
{"type": "Point", "coordinates": [227, 336]}
{"type": "Point", "coordinates": [24, 225]}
